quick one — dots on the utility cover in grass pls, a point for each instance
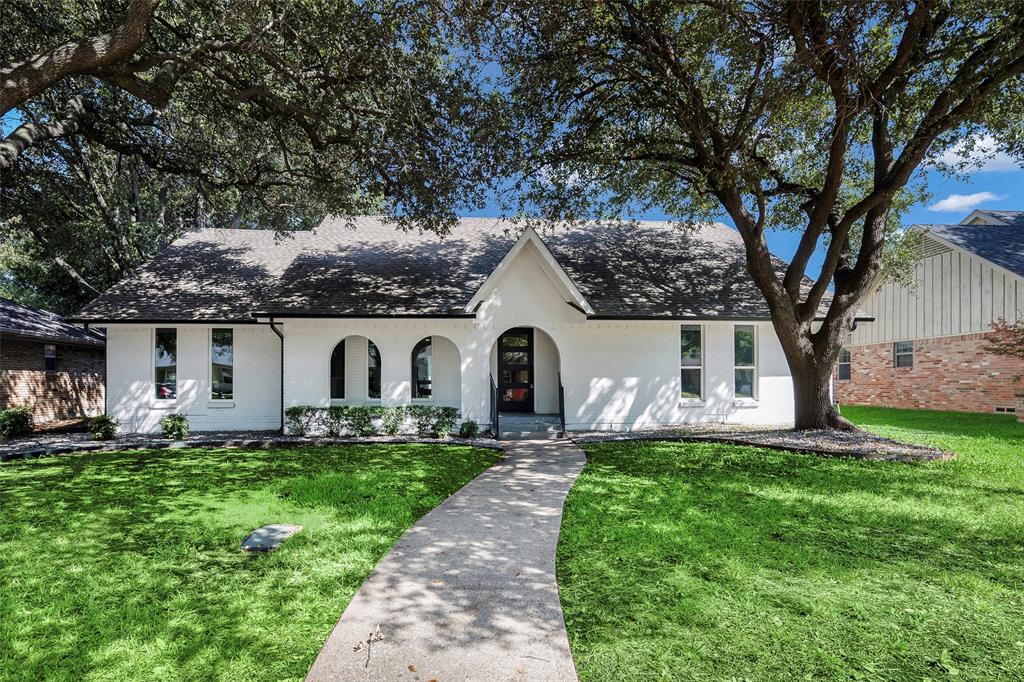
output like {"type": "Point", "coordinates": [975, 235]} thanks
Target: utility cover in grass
{"type": "Point", "coordinates": [268, 537]}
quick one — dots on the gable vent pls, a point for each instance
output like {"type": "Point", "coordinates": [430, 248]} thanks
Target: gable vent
{"type": "Point", "coordinates": [931, 247]}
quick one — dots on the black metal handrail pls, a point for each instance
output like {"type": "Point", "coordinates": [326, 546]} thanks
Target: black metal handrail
{"type": "Point", "coordinates": [561, 403]}
{"type": "Point", "coordinates": [494, 409]}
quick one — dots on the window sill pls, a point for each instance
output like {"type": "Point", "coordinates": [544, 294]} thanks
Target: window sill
{"type": "Point", "coordinates": [163, 404]}
{"type": "Point", "coordinates": [692, 402]}
{"type": "Point", "coordinates": [422, 401]}
{"type": "Point", "coordinates": [220, 404]}
{"type": "Point", "coordinates": [745, 403]}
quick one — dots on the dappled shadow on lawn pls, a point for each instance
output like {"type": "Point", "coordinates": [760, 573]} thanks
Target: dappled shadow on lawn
{"type": "Point", "coordinates": [775, 565]}
{"type": "Point", "coordinates": [127, 564]}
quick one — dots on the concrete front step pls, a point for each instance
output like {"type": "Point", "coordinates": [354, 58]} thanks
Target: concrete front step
{"type": "Point", "coordinates": [531, 435]}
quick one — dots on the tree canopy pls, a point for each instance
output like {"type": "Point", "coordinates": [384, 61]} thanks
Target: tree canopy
{"type": "Point", "coordinates": [129, 122]}
{"type": "Point", "coordinates": [812, 116]}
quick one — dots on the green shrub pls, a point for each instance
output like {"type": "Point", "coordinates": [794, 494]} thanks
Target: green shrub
{"type": "Point", "coordinates": [336, 419]}
{"type": "Point", "coordinates": [15, 422]}
{"type": "Point", "coordinates": [423, 418]}
{"type": "Point", "coordinates": [469, 429]}
{"type": "Point", "coordinates": [360, 420]}
{"type": "Point", "coordinates": [301, 419]}
{"type": "Point", "coordinates": [103, 427]}
{"type": "Point", "coordinates": [392, 419]}
{"type": "Point", "coordinates": [444, 421]}
{"type": "Point", "coordinates": [175, 426]}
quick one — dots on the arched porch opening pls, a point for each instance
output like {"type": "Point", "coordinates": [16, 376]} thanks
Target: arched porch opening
{"type": "Point", "coordinates": [525, 363]}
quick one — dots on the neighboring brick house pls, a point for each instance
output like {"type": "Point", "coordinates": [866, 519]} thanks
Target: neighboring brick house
{"type": "Point", "coordinates": [925, 346]}
{"type": "Point", "coordinates": [51, 366]}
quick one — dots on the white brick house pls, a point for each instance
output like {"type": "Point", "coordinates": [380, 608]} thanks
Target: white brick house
{"type": "Point", "coordinates": [642, 326]}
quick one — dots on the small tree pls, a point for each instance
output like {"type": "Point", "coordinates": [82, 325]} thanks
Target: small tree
{"type": "Point", "coordinates": [811, 116]}
{"type": "Point", "coordinates": [1006, 339]}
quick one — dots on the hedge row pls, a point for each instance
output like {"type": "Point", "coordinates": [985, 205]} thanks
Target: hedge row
{"type": "Point", "coordinates": [371, 420]}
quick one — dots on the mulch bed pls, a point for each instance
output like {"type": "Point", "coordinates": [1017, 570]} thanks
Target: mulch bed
{"type": "Point", "coordinates": [855, 444]}
{"type": "Point", "coordinates": [39, 445]}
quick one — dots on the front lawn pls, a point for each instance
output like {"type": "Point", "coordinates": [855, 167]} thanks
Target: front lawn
{"type": "Point", "coordinates": [126, 566]}
{"type": "Point", "coordinates": [714, 562]}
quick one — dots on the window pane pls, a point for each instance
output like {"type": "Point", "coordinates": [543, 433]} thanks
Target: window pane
{"type": "Point", "coordinates": [50, 357]}
{"type": "Point", "coordinates": [744, 345]}
{"type": "Point", "coordinates": [905, 360]}
{"type": "Point", "coordinates": [844, 355]}
{"type": "Point", "coordinates": [165, 360]}
{"type": "Point", "coordinates": [904, 346]}
{"type": "Point", "coordinates": [690, 383]}
{"type": "Point", "coordinates": [515, 357]}
{"type": "Point", "coordinates": [744, 383]}
{"type": "Point", "coordinates": [515, 340]}
{"type": "Point", "coordinates": [222, 358]}
{"type": "Point", "coordinates": [517, 376]}
{"type": "Point", "coordinates": [421, 369]}
{"type": "Point", "coordinates": [844, 371]}
{"type": "Point", "coordinates": [338, 372]}
{"type": "Point", "coordinates": [373, 367]}
{"type": "Point", "coordinates": [689, 345]}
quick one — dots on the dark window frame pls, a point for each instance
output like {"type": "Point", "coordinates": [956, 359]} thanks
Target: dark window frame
{"type": "Point", "coordinates": [50, 361]}
{"type": "Point", "coordinates": [336, 372]}
{"type": "Point", "coordinates": [373, 370]}
{"type": "Point", "coordinates": [752, 367]}
{"type": "Point", "coordinates": [417, 381]}
{"type": "Point", "coordinates": [214, 332]}
{"type": "Point", "coordinates": [162, 388]}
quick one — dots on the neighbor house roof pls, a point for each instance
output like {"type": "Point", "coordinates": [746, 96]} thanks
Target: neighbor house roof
{"type": "Point", "coordinates": [1002, 245]}
{"type": "Point", "coordinates": [34, 323]}
{"type": "Point", "coordinates": [365, 267]}
{"type": "Point", "coordinates": [1006, 217]}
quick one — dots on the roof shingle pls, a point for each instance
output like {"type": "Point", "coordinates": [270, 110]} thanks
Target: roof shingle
{"type": "Point", "coordinates": [28, 322]}
{"type": "Point", "coordinates": [999, 244]}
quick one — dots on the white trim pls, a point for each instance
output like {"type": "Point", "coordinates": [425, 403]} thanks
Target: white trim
{"type": "Point", "coordinates": [162, 403]}
{"type": "Point", "coordinates": [981, 213]}
{"type": "Point", "coordinates": [529, 235]}
{"type": "Point", "coordinates": [743, 401]}
{"type": "Point", "coordinates": [209, 366]}
{"type": "Point", "coordinates": [693, 402]}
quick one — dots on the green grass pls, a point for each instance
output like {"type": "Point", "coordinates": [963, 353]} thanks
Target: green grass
{"type": "Point", "coordinates": [682, 561]}
{"type": "Point", "coordinates": [126, 566]}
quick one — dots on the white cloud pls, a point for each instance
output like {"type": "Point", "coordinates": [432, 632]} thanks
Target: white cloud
{"type": "Point", "coordinates": [957, 203]}
{"type": "Point", "coordinates": [979, 155]}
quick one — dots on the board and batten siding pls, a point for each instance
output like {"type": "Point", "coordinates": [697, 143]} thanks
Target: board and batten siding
{"type": "Point", "coordinates": [954, 293]}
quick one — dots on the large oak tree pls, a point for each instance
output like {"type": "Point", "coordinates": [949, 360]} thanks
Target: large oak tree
{"type": "Point", "coordinates": [805, 115]}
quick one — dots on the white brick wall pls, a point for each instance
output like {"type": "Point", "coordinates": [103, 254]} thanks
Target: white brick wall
{"type": "Point", "coordinates": [617, 374]}
{"type": "Point", "coordinates": [131, 394]}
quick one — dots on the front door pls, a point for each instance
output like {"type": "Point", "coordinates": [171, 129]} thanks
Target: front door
{"type": "Point", "coordinates": [515, 370]}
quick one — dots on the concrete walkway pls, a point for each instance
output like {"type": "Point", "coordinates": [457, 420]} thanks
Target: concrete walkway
{"type": "Point", "coordinates": [469, 592]}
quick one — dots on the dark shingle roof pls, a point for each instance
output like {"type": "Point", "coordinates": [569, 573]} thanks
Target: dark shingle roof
{"type": "Point", "coordinates": [28, 322]}
{"type": "Point", "coordinates": [999, 244]}
{"type": "Point", "coordinates": [213, 274]}
{"type": "Point", "coordinates": [366, 267]}
{"type": "Point", "coordinates": [1008, 217]}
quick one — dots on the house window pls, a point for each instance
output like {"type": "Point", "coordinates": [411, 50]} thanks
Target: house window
{"type": "Point", "coordinates": [50, 357]}
{"type": "Point", "coordinates": [903, 353]}
{"type": "Point", "coordinates": [844, 365]}
{"type": "Point", "coordinates": [422, 366]}
{"type": "Point", "coordinates": [338, 371]}
{"type": "Point", "coordinates": [373, 370]}
{"type": "Point", "coordinates": [165, 362]}
{"type": "Point", "coordinates": [745, 349]}
{"type": "Point", "coordinates": [222, 364]}
{"type": "Point", "coordinates": [691, 361]}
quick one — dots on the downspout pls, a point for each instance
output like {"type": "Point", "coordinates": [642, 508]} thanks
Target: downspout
{"type": "Point", "coordinates": [273, 328]}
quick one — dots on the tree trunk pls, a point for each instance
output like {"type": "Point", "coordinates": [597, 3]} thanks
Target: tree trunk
{"type": "Point", "coordinates": [812, 400]}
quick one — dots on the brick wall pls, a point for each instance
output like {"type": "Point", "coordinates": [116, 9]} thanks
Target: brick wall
{"type": "Point", "coordinates": [949, 373]}
{"type": "Point", "coordinates": [75, 389]}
